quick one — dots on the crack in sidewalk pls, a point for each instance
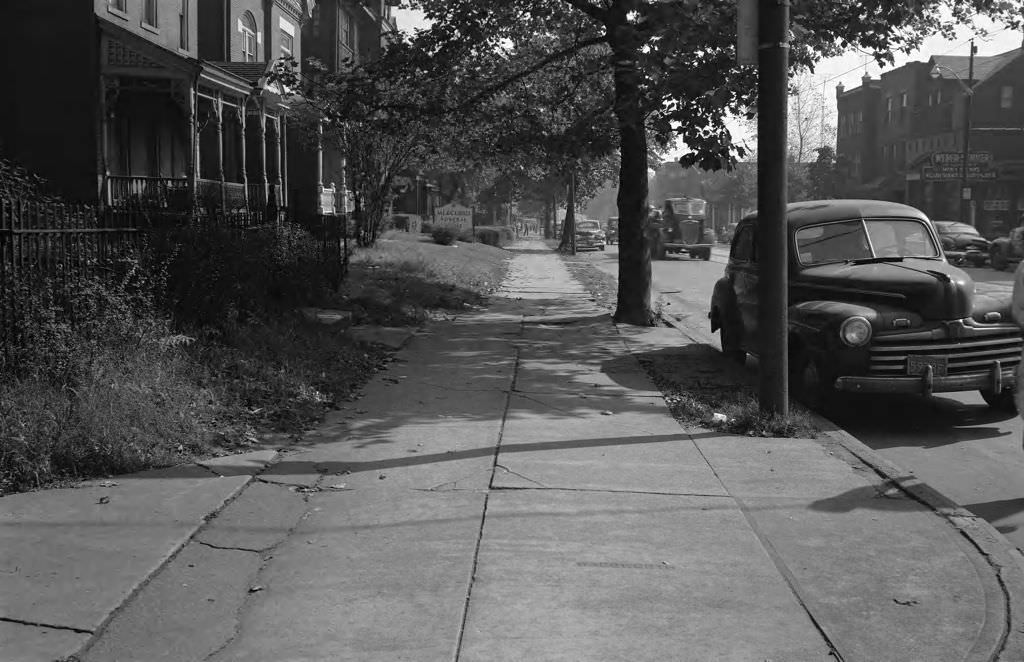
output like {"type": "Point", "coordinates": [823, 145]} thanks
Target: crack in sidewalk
{"type": "Point", "coordinates": [48, 626]}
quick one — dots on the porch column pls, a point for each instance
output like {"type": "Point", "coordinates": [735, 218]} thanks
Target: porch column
{"type": "Point", "coordinates": [218, 113]}
{"type": "Point", "coordinates": [320, 156]}
{"type": "Point", "coordinates": [282, 171]}
{"type": "Point", "coordinates": [343, 193]}
{"type": "Point", "coordinates": [103, 160]}
{"type": "Point", "coordinates": [261, 135]}
{"type": "Point", "coordinates": [192, 161]}
{"type": "Point", "coordinates": [241, 155]}
{"type": "Point", "coordinates": [278, 179]}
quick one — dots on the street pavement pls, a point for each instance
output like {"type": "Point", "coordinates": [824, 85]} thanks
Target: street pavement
{"type": "Point", "coordinates": [513, 487]}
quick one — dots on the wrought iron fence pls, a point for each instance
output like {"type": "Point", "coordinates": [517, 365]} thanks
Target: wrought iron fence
{"type": "Point", "coordinates": [46, 248]}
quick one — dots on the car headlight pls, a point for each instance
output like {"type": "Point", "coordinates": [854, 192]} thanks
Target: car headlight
{"type": "Point", "coordinates": [855, 331]}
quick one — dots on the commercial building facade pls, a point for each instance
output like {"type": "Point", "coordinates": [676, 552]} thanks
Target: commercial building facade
{"type": "Point", "coordinates": [905, 135]}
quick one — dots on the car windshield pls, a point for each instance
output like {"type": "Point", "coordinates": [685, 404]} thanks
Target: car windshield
{"type": "Point", "coordinates": [865, 240]}
{"type": "Point", "coordinates": [956, 228]}
{"type": "Point", "coordinates": [588, 225]}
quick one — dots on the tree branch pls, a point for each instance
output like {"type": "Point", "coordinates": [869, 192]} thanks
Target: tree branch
{"type": "Point", "coordinates": [599, 15]}
{"type": "Point", "coordinates": [554, 57]}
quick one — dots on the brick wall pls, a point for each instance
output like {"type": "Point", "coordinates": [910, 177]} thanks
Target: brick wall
{"type": "Point", "coordinates": [166, 32]}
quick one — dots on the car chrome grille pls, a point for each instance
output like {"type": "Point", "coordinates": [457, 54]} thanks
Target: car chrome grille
{"type": "Point", "coordinates": [974, 351]}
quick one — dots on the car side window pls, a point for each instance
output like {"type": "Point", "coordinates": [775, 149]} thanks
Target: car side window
{"type": "Point", "coordinates": [743, 245]}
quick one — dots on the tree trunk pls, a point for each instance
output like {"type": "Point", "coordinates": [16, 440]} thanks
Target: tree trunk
{"type": "Point", "coordinates": [568, 242]}
{"type": "Point", "coordinates": [634, 296]}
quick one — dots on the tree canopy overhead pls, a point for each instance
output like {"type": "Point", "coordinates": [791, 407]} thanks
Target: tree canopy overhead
{"type": "Point", "coordinates": [666, 67]}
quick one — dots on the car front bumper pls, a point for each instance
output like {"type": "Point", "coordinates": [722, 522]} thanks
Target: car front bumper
{"type": "Point", "coordinates": [995, 379]}
{"type": "Point", "coordinates": [589, 242]}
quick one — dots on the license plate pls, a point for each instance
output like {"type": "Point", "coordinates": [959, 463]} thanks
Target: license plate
{"type": "Point", "coordinates": [916, 365]}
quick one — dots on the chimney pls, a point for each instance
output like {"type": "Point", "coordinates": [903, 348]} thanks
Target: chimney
{"type": "Point", "coordinates": [839, 90]}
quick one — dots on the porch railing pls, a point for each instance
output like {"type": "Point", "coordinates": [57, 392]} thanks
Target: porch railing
{"type": "Point", "coordinates": [257, 196]}
{"type": "Point", "coordinates": [136, 192]}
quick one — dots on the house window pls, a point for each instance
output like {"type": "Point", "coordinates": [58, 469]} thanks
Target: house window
{"type": "Point", "coordinates": [287, 44]}
{"type": "Point", "coordinates": [888, 110]}
{"type": "Point", "coordinates": [247, 26]}
{"type": "Point", "coordinates": [183, 26]}
{"type": "Point", "coordinates": [1006, 96]}
{"type": "Point", "coordinates": [149, 16]}
{"type": "Point", "coordinates": [119, 5]}
{"type": "Point", "coordinates": [346, 37]}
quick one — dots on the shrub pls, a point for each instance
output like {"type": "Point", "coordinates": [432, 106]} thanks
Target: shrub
{"type": "Point", "coordinates": [466, 236]}
{"type": "Point", "coordinates": [222, 277]}
{"type": "Point", "coordinates": [494, 235]}
{"type": "Point", "coordinates": [426, 228]}
{"type": "Point", "coordinates": [443, 235]}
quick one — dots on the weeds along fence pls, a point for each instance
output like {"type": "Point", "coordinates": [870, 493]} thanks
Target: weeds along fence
{"type": "Point", "coordinates": [48, 250]}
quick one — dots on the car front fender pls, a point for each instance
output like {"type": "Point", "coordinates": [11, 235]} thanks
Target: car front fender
{"type": "Point", "coordinates": [723, 303]}
{"type": "Point", "coordinates": [815, 322]}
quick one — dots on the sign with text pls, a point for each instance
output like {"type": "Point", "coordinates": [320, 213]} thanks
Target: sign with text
{"type": "Point", "coordinates": [957, 158]}
{"type": "Point", "coordinates": [955, 172]}
{"type": "Point", "coordinates": [454, 215]}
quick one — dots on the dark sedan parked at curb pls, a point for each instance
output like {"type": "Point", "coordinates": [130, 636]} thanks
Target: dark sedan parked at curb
{"type": "Point", "coordinates": [874, 307]}
{"type": "Point", "coordinates": [962, 243]}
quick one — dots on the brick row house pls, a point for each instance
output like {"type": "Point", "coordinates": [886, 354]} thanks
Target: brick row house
{"type": "Point", "coordinates": [901, 137]}
{"type": "Point", "coordinates": [167, 102]}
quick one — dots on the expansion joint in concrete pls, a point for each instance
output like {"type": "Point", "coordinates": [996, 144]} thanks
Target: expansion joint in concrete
{"type": "Point", "coordinates": [483, 514]}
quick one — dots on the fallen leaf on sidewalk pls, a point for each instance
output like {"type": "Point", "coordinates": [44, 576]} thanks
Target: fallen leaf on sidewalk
{"type": "Point", "coordinates": [255, 589]}
{"type": "Point", "coordinates": [905, 602]}
{"type": "Point", "coordinates": [606, 413]}
{"type": "Point", "coordinates": [103, 499]}
{"type": "Point", "coordinates": [108, 483]}
{"type": "Point", "coordinates": [338, 486]}
{"type": "Point", "coordinates": [305, 490]}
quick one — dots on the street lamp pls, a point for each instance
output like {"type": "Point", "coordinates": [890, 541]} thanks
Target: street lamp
{"type": "Point", "coordinates": [965, 191]}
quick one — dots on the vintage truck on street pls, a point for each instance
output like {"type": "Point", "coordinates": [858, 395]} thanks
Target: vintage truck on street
{"type": "Point", "coordinates": [874, 307]}
{"type": "Point", "coordinates": [679, 227]}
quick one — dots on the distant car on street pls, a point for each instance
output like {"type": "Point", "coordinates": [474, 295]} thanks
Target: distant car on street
{"type": "Point", "coordinates": [611, 231]}
{"type": "Point", "coordinates": [874, 307]}
{"type": "Point", "coordinates": [962, 243]}
{"type": "Point", "coordinates": [589, 235]}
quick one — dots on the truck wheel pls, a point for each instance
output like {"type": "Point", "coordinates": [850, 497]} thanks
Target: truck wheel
{"type": "Point", "coordinates": [706, 255]}
{"type": "Point", "coordinates": [659, 251]}
{"type": "Point", "coordinates": [1003, 401]}
{"type": "Point", "coordinates": [601, 246]}
{"type": "Point", "coordinates": [999, 262]}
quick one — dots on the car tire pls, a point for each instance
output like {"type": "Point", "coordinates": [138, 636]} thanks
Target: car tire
{"type": "Point", "coordinates": [810, 383]}
{"type": "Point", "coordinates": [999, 262]}
{"type": "Point", "coordinates": [601, 247]}
{"type": "Point", "coordinates": [731, 348]}
{"type": "Point", "coordinates": [1005, 400]}
{"type": "Point", "coordinates": [706, 255]}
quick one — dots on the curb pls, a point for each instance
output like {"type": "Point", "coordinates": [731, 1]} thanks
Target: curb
{"type": "Point", "coordinates": [1006, 642]}
{"type": "Point", "coordinates": [997, 552]}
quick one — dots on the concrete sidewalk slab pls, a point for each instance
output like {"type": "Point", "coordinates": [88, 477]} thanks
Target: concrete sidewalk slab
{"type": "Point", "coordinates": [611, 577]}
{"type": "Point", "coordinates": [71, 556]}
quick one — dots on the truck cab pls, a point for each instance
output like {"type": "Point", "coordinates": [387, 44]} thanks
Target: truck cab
{"type": "Point", "coordinates": [679, 227]}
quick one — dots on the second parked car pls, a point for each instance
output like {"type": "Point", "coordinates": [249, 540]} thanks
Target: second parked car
{"type": "Point", "coordinates": [874, 307]}
{"type": "Point", "coordinates": [962, 243]}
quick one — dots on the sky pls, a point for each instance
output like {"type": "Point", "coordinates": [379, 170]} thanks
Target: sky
{"type": "Point", "coordinates": [848, 69]}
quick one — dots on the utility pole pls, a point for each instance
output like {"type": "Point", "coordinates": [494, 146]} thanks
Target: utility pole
{"type": "Point", "coordinates": [772, 322]}
{"type": "Point", "coordinates": [965, 189]}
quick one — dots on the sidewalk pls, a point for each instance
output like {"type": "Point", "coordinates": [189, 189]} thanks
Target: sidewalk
{"type": "Point", "coordinates": [512, 488]}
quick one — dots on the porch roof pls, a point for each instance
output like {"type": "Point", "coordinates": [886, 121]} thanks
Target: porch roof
{"type": "Point", "coordinates": [251, 72]}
